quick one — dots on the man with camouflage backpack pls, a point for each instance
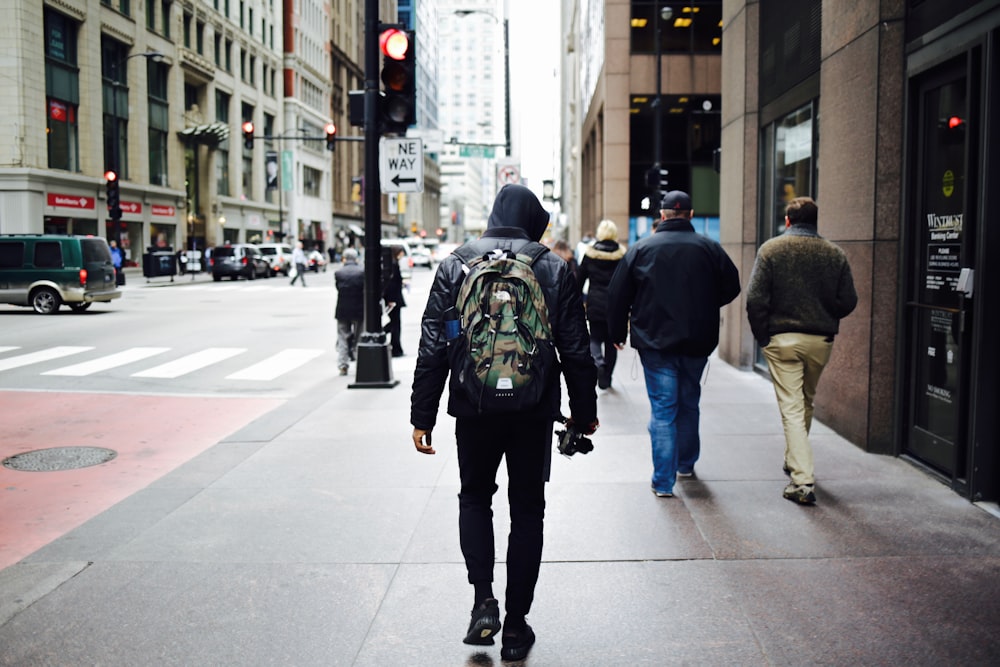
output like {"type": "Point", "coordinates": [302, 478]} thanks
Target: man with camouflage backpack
{"type": "Point", "coordinates": [500, 309]}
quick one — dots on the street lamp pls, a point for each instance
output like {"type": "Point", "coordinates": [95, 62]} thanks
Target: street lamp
{"type": "Point", "coordinates": [115, 214]}
{"type": "Point", "coordinates": [506, 69]}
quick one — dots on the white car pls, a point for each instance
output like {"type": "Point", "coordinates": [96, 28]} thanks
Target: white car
{"type": "Point", "coordinates": [422, 257]}
{"type": "Point", "coordinates": [278, 255]}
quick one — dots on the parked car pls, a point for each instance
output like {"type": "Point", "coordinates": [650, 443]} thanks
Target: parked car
{"type": "Point", "coordinates": [45, 271]}
{"type": "Point", "coordinates": [239, 260]}
{"type": "Point", "coordinates": [278, 256]}
{"type": "Point", "coordinates": [317, 262]}
{"type": "Point", "coordinates": [406, 261]}
{"type": "Point", "coordinates": [422, 257]}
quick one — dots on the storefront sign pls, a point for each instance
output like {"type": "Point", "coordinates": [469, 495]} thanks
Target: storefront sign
{"type": "Point", "coordinates": [70, 201]}
{"type": "Point", "coordinates": [131, 207]}
{"type": "Point", "coordinates": [164, 211]}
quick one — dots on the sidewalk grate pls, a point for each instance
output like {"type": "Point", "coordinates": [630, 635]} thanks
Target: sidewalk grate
{"type": "Point", "coordinates": [59, 458]}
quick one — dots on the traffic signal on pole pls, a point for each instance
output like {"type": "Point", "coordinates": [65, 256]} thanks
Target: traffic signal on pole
{"type": "Point", "coordinates": [114, 196]}
{"type": "Point", "coordinates": [248, 135]}
{"type": "Point", "coordinates": [331, 137]}
{"type": "Point", "coordinates": [398, 103]}
{"type": "Point", "coordinates": [656, 178]}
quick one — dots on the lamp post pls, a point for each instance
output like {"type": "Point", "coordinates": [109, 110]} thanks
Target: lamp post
{"type": "Point", "coordinates": [115, 129]}
{"type": "Point", "coordinates": [506, 70]}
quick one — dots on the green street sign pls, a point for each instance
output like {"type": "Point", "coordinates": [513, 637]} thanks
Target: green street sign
{"type": "Point", "coordinates": [476, 151]}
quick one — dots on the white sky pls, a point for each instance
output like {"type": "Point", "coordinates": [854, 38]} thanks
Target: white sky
{"type": "Point", "coordinates": [535, 39]}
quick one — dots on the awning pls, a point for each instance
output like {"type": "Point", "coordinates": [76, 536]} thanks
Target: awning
{"type": "Point", "coordinates": [210, 134]}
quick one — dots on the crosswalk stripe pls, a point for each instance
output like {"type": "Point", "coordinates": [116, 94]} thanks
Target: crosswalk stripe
{"type": "Point", "coordinates": [277, 365]}
{"type": "Point", "coordinates": [8, 348]}
{"type": "Point", "coordinates": [108, 362]}
{"type": "Point", "coordinates": [41, 355]}
{"type": "Point", "coordinates": [191, 362]}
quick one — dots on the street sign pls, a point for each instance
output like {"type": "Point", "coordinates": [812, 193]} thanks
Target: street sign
{"type": "Point", "coordinates": [476, 151]}
{"type": "Point", "coordinates": [401, 164]}
{"type": "Point", "coordinates": [508, 173]}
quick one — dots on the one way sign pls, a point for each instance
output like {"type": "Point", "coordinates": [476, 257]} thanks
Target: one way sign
{"type": "Point", "coordinates": [401, 164]}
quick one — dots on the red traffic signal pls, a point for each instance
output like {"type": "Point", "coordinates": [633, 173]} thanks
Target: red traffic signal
{"type": "Point", "coordinates": [394, 43]}
{"type": "Point", "coordinates": [954, 122]}
{"type": "Point", "coordinates": [110, 176]}
{"type": "Point", "coordinates": [398, 100]}
{"type": "Point", "coordinates": [248, 134]}
{"type": "Point", "coordinates": [331, 136]}
{"type": "Point", "coordinates": [113, 194]}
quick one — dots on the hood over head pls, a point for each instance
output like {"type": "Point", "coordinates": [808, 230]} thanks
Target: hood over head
{"type": "Point", "coordinates": [517, 206]}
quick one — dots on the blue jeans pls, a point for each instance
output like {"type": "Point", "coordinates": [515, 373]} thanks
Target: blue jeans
{"type": "Point", "coordinates": [673, 384]}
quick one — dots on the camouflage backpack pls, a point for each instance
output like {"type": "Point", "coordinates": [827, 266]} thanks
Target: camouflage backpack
{"type": "Point", "coordinates": [504, 356]}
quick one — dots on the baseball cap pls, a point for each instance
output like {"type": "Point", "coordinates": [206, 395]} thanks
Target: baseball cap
{"type": "Point", "coordinates": [676, 200]}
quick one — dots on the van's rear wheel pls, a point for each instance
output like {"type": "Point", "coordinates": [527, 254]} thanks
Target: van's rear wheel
{"type": "Point", "coordinates": [79, 307]}
{"type": "Point", "coordinates": [45, 301]}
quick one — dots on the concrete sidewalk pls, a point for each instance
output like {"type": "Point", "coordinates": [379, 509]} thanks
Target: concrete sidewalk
{"type": "Point", "coordinates": [318, 536]}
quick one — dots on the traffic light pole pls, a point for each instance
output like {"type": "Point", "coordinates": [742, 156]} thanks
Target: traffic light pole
{"type": "Point", "coordinates": [374, 362]}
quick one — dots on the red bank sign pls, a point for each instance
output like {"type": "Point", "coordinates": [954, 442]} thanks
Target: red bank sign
{"type": "Point", "coordinates": [163, 210]}
{"type": "Point", "coordinates": [70, 201]}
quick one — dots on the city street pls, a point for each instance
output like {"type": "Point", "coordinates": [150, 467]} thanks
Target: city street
{"type": "Point", "coordinates": [290, 522]}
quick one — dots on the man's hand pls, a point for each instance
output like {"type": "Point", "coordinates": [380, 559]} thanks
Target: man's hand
{"type": "Point", "coordinates": [585, 430]}
{"type": "Point", "coordinates": [419, 437]}
{"type": "Point", "coordinates": [619, 346]}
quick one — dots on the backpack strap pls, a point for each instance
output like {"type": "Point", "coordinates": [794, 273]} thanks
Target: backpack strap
{"type": "Point", "coordinates": [533, 251]}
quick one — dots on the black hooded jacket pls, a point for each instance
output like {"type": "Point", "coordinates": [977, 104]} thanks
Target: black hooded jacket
{"type": "Point", "coordinates": [517, 219]}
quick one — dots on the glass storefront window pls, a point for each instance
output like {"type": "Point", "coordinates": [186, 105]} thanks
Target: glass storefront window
{"type": "Point", "coordinates": [788, 166]}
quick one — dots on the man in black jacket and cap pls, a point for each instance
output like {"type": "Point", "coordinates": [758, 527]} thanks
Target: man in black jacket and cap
{"type": "Point", "coordinates": [524, 439]}
{"type": "Point", "coordinates": [666, 294]}
{"type": "Point", "coordinates": [350, 312]}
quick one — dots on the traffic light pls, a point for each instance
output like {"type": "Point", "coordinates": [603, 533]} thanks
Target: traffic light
{"type": "Point", "coordinates": [114, 196]}
{"type": "Point", "coordinates": [331, 137]}
{"type": "Point", "coordinates": [398, 103]}
{"type": "Point", "coordinates": [656, 178]}
{"type": "Point", "coordinates": [248, 135]}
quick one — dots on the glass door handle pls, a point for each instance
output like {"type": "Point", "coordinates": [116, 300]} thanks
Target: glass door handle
{"type": "Point", "coordinates": [966, 278]}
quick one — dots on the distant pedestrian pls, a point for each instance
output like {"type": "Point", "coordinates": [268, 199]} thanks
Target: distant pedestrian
{"type": "Point", "coordinates": [800, 288]}
{"type": "Point", "coordinates": [394, 301]}
{"type": "Point", "coordinates": [300, 262]}
{"type": "Point", "coordinates": [562, 249]}
{"type": "Point", "coordinates": [350, 312]}
{"type": "Point", "coordinates": [598, 265]}
{"type": "Point", "coordinates": [666, 295]}
{"type": "Point", "coordinates": [523, 439]}
{"type": "Point", "coordinates": [118, 261]}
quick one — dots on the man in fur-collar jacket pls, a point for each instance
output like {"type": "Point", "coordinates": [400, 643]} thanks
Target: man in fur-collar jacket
{"type": "Point", "coordinates": [598, 265]}
{"type": "Point", "coordinates": [800, 288]}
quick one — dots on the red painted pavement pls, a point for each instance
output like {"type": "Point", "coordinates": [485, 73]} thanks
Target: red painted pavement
{"type": "Point", "coordinates": [151, 434]}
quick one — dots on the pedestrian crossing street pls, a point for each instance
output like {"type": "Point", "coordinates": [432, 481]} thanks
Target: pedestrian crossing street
{"type": "Point", "coordinates": [151, 362]}
{"type": "Point", "coordinates": [321, 284]}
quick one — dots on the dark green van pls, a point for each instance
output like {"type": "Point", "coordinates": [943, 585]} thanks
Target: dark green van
{"type": "Point", "coordinates": [45, 271]}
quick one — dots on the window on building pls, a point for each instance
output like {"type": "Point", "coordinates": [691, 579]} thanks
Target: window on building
{"type": "Point", "coordinates": [253, 68]}
{"type": "Point", "coordinates": [165, 22]}
{"type": "Point", "coordinates": [159, 121]}
{"type": "Point", "coordinates": [114, 73]}
{"type": "Point", "coordinates": [199, 37]}
{"type": "Point", "coordinates": [229, 56]}
{"type": "Point", "coordinates": [151, 20]}
{"type": "Point", "coordinates": [121, 5]}
{"type": "Point", "coordinates": [684, 27]}
{"type": "Point", "coordinates": [690, 132]}
{"type": "Point", "coordinates": [311, 180]}
{"type": "Point", "coordinates": [222, 100]}
{"type": "Point", "coordinates": [789, 148]}
{"type": "Point", "coordinates": [62, 89]}
{"type": "Point", "coordinates": [187, 29]}
{"type": "Point", "coordinates": [243, 64]}
{"type": "Point", "coordinates": [218, 50]}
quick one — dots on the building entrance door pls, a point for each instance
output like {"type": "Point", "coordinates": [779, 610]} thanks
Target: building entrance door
{"type": "Point", "coordinates": [938, 311]}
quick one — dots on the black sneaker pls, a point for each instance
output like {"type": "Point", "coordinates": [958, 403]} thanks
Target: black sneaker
{"type": "Point", "coordinates": [802, 494]}
{"type": "Point", "coordinates": [484, 624]}
{"type": "Point", "coordinates": [516, 644]}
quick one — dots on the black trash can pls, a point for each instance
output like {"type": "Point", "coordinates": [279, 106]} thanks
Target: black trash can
{"type": "Point", "coordinates": [160, 263]}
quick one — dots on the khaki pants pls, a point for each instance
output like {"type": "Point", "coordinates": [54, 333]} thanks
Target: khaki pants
{"type": "Point", "coordinates": [796, 361]}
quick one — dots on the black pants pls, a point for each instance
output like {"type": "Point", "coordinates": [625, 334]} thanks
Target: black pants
{"type": "Point", "coordinates": [394, 330]}
{"type": "Point", "coordinates": [526, 447]}
{"type": "Point", "coordinates": [602, 349]}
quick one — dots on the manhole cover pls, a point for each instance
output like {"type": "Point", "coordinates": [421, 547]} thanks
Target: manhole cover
{"type": "Point", "coordinates": [59, 458]}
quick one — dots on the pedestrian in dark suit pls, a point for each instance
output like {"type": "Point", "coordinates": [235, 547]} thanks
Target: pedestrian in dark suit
{"type": "Point", "coordinates": [393, 296]}
{"type": "Point", "coordinates": [350, 313]}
